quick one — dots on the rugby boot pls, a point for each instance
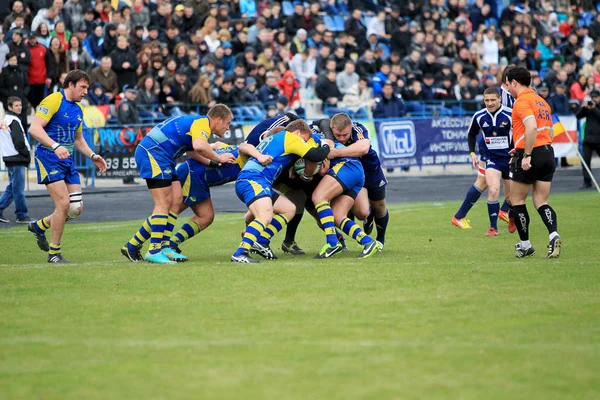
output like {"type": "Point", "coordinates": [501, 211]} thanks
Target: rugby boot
{"type": "Point", "coordinates": [244, 258]}
{"type": "Point", "coordinates": [173, 255]}
{"type": "Point", "coordinates": [492, 232]}
{"type": "Point", "coordinates": [292, 248]}
{"type": "Point", "coordinates": [329, 251]}
{"type": "Point", "coordinates": [521, 252]}
{"type": "Point", "coordinates": [132, 253]}
{"type": "Point", "coordinates": [462, 223]}
{"type": "Point", "coordinates": [554, 247]}
{"type": "Point", "coordinates": [369, 249]}
{"type": "Point", "coordinates": [42, 242]}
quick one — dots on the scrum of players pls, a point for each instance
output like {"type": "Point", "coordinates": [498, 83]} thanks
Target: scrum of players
{"type": "Point", "coordinates": [285, 166]}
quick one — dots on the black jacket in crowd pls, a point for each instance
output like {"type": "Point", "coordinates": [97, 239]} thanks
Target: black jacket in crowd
{"type": "Point", "coordinates": [592, 124]}
{"type": "Point", "coordinates": [124, 76]}
{"type": "Point", "coordinates": [13, 82]}
{"type": "Point", "coordinates": [128, 113]}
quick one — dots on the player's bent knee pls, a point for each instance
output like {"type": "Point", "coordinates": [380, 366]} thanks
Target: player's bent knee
{"type": "Point", "coordinates": [75, 205]}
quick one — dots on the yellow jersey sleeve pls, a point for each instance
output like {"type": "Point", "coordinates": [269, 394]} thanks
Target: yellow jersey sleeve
{"type": "Point", "coordinates": [200, 129]}
{"type": "Point", "coordinates": [80, 128]}
{"type": "Point", "coordinates": [49, 106]}
{"type": "Point", "coordinates": [293, 144]}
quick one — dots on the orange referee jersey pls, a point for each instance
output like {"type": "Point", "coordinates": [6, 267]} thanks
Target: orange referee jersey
{"type": "Point", "coordinates": [530, 105]}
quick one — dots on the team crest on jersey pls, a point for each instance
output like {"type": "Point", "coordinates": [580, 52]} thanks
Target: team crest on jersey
{"type": "Point", "coordinates": [43, 110]}
{"type": "Point", "coordinates": [503, 124]}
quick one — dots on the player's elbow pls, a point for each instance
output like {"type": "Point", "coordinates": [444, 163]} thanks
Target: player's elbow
{"type": "Point", "coordinates": [317, 154]}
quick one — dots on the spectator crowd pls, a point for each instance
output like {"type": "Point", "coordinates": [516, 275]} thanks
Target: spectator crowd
{"type": "Point", "coordinates": [154, 58]}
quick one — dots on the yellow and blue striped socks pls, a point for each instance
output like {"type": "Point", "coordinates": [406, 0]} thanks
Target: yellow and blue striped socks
{"type": "Point", "coordinates": [158, 222]}
{"type": "Point", "coordinates": [187, 231]}
{"type": "Point", "coordinates": [253, 231]}
{"type": "Point", "coordinates": [325, 214]}
{"type": "Point", "coordinates": [277, 224]}
{"type": "Point", "coordinates": [54, 249]}
{"type": "Point", "coordinates": [352, 229]}
{"type": "Point", "coordinates": [141, 236]}
{"type": "Point", "coordinates": [42, 225]}
{"type": "Point", "coordinates": [171, 221]}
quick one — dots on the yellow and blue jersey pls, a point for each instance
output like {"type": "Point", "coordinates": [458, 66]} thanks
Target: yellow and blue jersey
{"type": "Point", "coordinates": [175, 135]}
{"type": "Point", "coordinates": [196, 178]}
{"type": "Point", "coordinates": [64, 119]}
{"type": "Point", "coordinates": [284, 147]}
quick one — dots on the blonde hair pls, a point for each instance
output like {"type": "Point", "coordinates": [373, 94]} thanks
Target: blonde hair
{"type": "Point", "coordinates": [219, 111]}
{"type": "Point", "coordinates": [340, 121]}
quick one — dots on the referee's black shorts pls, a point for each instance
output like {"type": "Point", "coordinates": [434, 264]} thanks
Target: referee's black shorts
{"type": "Point", "coordinates": [542, 166]}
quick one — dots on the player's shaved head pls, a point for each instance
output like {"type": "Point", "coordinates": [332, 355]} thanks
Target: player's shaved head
{"type": "Point", "coordinates": [340, 121]}
{"type": "Point", "coordinates": [492, 90]}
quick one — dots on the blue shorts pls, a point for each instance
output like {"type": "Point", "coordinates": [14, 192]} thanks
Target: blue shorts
{"type": "Point", "coordinates": [193, 183]}
{"type": "Point", "coordinates": [483, 150]}
{"type": "Point", "coordinates": [500, 164]}
{"type": "Point", "coordinates": [375, 183]}
{"type": "Point", "coordinates": [153, 161]}
{"type": "Point", "coordinates": [52, 169]}
{"type": "Point", "coordinates": [350, 175]}
{"type": "Point", "coordinates": [251, 189]}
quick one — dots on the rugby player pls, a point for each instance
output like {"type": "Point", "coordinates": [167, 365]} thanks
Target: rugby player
{"type": "Point", "coordinates": [494, 122]}
{"type": "Point", "coordinates": [334, 197]}
{"type": "Point", "coordinates": [474, 193]}
{"type": "Point", "coordinates": [57, 126]}
{"type": "Point", "coordinates": [196, 175]}
{"type": "Point", "coordinates": [156, 156]}
{"type": "Point", "coordinates": [254, 185]}
{"type": "Point", "coordinates": [532, 166]}
{"type": "Point", "coordinates": [355, 138]}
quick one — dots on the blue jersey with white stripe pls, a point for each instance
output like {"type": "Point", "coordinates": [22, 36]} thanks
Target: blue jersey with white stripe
{"type": "Point", "coordinates": [497, 131]}
{"type": "Point", "coordinates": [256, 134]}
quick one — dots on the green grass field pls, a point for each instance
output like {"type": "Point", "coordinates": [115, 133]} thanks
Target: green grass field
{"type": "Point", "coordinates": [442, 313]}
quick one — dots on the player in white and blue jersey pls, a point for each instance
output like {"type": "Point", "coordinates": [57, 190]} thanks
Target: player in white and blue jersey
{"type": "Point", "coordinates": [495, 124]}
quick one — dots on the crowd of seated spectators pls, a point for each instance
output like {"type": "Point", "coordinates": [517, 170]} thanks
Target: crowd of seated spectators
{"type": "Point", "coordinates": [158, 58]}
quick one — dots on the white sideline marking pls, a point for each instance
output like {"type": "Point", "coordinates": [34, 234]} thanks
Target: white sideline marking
{"type": "Point", "coordinates": [173, 343]}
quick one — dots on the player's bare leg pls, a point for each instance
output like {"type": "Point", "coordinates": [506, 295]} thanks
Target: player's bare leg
{"type": "Point", "coordinates": [59, 192]}
{"type": "Point", "coordinates": [204, 215]}
{"type": "Point", "coordinates": [541, 191]}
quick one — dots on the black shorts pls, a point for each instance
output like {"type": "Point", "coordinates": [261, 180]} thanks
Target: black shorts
{"type": "Point", "coordinates": [160, 183]}
{"type": "Point", "coordinates": [542, 166]}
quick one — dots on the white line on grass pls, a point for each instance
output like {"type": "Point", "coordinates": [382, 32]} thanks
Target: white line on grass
{"type": "Point", "coordinates": [174, 343]}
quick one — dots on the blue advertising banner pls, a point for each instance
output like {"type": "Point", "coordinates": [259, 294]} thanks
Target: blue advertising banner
{"type": "Point", "coordinates": [423, 142]}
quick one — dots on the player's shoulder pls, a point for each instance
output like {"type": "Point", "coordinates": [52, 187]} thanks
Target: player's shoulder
{"type": "Point", "coordinates": [506, 111]}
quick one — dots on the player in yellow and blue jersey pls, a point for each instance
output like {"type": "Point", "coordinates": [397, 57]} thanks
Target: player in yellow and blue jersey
{"type": "Point", "coordinates": [254, 186]}
{"type": "Point", "coordinates": [156, 157]}
{"type": "Point", "coordinates": [334, 197]}
{"type": "Point", "coordinates": [57, 126]}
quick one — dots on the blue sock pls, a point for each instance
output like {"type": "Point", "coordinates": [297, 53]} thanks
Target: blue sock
{"type": "Point", "coordinates": [327, 222]}
{"type": "Point", "coordinates": [493, 210]}
{"type": "Point", "coordinates": [505, 207]}
{"type": "Point", "coordinates": [471, 198]}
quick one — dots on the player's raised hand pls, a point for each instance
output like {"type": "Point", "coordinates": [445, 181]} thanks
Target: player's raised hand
{"type": "Point", "coordinates": [62, 153]}
{"type": "Point", "coordinates": [227, 158]}
{"type": "Point", "coordinates": [100, 163]}
{"type": "Point", "coordinates": [265, 160]}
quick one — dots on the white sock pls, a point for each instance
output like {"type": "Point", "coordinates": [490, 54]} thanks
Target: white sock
{"type": "Point", "coordinates": [525, 244]}
{"type": "Point", "coordinates": [553, 235]}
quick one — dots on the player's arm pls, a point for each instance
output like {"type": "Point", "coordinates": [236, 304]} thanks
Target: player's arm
{"type": "Point", "coordinates": [530, 133]}
{"type": "Point", "coordinates": [194, 155]}
{"type": "Point", "coordinates": [271, 132]}
{"type": "Point", "coordinates": [200, 132]}
{"type": "Point", "coordinates": [82, 146]}
{"type": "Point", "coordinates": [250, 151]}
{"type": "Point", "coordinates": [356, 149]}
{"type": "Point", "coordinates": [472, 140]}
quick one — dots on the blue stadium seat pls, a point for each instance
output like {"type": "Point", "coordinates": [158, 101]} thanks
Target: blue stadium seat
{"type": "Point", "coordinates": [329, 23]}
{"type": "Point", "coordinates": [339, 23]}
{"type": "Point", "coordinates": [287, 8]}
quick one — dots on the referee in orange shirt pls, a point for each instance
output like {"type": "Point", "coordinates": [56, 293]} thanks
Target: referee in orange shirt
{"type": "Point", "coordinates": [532, 164]}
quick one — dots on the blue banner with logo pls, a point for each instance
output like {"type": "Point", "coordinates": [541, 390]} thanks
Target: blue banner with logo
{"type": "Point", "coordinates": [438, 141]}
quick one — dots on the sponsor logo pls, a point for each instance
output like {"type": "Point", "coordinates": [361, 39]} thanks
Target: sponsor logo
{"type": "Point", "coordinates": [168, 171]}
{"type": "Point", "coordinates": [397, 139]}
{"type": "Point", "coordinates": [66, 115]}
{"type": "Point", "coordinates": [548, 216]}
{"type": "Point", "coordinates": [43, 110]}
{"type": "Point", "coordinates": [53, 172]}
{"type": "Point", "coordinates": [485, 125]}
{"type": "Point", "coordinates": [192, 198]}
{"type": "Point", "coordinates": [382, 183]}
